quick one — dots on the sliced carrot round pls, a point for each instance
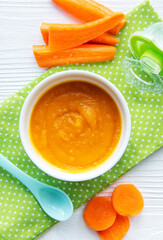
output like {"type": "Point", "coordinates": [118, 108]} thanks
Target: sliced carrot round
{"type": "Point", "coordinates": [117, 231]}
{"type": "Point", "coordinates": [99, 213]}
{"type": "Point", "coordinates": [127, 200]}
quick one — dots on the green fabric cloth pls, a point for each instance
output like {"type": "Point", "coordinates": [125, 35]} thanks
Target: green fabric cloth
{"type": "Point", "coordinates": [21, 217]}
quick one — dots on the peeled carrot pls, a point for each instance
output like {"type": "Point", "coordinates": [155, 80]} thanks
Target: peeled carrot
{"type": "Point", "coordinates": [45, 30]}
{"type": "Point", "coordinates": [117, 231]}
{"type": "Point", "coordinates": [64, 37]}
{"type": "Point", "coordinates": [105, 38]}
{"type": "Point", "coordinates": [127, 200]}
{"type": "Point", "coordinates": [87, 10]}
{"type": "Point", "coordinates": [84, 53]}
{"type": "Point", "coordinates": [118, 27]}
{"type": "Point", "coordinates": [99, 213]}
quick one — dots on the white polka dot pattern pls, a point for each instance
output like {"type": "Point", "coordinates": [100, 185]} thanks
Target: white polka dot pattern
{"type": "Point", "coordinates": [21, 216]}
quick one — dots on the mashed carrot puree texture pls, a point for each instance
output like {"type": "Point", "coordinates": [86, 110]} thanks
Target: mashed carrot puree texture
{"type": "Point", "coordinates": [75, 126]}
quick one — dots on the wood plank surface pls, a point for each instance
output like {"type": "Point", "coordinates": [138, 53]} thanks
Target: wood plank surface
{"type": "Point", "coordinates": [20, 21]}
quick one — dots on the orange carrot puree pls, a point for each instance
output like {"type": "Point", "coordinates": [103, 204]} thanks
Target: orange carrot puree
{"type": "Point", "coordinates": [75, 126]}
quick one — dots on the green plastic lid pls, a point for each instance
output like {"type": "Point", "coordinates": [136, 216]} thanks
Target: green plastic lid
{"type": "Point", "coordinates": [147, 49]}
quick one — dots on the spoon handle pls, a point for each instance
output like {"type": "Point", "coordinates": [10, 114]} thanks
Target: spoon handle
{"type": "Point", "coordinates": [10, 167]}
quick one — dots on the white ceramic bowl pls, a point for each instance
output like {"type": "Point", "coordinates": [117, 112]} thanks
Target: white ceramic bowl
{"type": "Point", "coordinates": [53, 80]}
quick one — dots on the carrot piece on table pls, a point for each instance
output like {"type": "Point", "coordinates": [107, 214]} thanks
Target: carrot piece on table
{"type": "Point", "coordinates": [84, 53]}
{"type": "Point", "coordinates": [118, 27]}
{"type": "Point", "coordinates": [45, 31]}
{"type": "Point", "coordinates": [63, 37]}
{"type": "Point", "coordinates": [127, 200]}
{"type": "Point", "coordinates": [99, 213]}
{"type": "Point", "coordinates": [117, 231]}
{"type": "Point", "coordinates": [105, 38]}
{"type": "Point", "coordinates": [86, 10]}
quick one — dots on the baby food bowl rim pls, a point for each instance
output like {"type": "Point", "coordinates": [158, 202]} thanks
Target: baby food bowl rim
{"type": "Point", "coordinates": [74, 75]}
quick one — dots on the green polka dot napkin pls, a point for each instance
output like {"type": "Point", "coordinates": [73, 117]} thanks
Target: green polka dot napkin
{"type": "Point", "coordinates": [21, 217]}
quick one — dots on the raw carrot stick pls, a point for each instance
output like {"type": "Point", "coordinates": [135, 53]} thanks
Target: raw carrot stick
{"type": "Point", "coordinates": [105, 38]}
{"type": "Point", "coordinates": [84, 9]}
{"type": "Point", "coordinates": [84, 53]}
{"type": "Point", "coordinates": [99, 213]}
{"type": "Point", "coordinates": [87, 10]}
{"type": "Point", "coordinates": [45, 32]}
{"type": "Point", "coordinates": [127, 200]}
{"type": "Point", "coordinates": [117, 231]}
{"type": "Point", "coordinates": [118, 27]}
{"type": "Point", "coordinates": [64, 37]}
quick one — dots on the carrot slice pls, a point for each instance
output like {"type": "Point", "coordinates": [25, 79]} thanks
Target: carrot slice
{"type": "Point", "coordinates": [127, 200]}
{"type": "Point", "coordinates": [84, 53]}
{"type": "Point", "coordinates": [105, 38]}
{"type": "Point", "coordinates": [117, 231]}
{"type": "Point", "coordinates": [87, 10]}
{"type": "Point", "coordinates": [99, 213]}
{"type": "Point", "coordinates": [64, 37]}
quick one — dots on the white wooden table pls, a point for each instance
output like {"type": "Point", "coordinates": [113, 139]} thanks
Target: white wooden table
{"type": "Point", "coordinates": [19, 30]}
